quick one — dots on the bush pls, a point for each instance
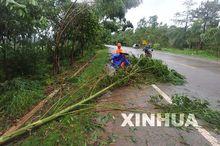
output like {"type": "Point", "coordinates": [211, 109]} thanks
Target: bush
{"type": "Point", "coordinates": [23, 62]}
{"type": "Point", "coordinates": [157, 46]}
{"type": "Point", "coordinates": [18, 95]}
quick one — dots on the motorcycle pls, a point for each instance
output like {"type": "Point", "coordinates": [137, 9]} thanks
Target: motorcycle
{"type": "Point", "coordinates": [119, 61]}
{"type": "Point", "coordinates": [148, 52]}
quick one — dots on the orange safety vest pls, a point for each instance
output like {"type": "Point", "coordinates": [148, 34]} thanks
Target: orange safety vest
{"type": "Point", "coordinates": [118, 51]}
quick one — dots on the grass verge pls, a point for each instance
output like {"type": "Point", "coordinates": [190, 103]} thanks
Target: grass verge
{"type": "Point", "coordinates": [192, 52]}
{"type": "Point", "coordinates": [16, 97]}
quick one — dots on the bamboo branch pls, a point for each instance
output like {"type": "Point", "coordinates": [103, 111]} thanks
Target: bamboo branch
{"type": "Point", "coordinates": [84, 66]}
{"type": "Point", "coordinates": [31, 113]}
{"type": "Point", "coordinates": [38, 123]}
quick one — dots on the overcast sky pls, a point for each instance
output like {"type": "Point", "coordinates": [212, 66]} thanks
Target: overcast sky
{"type": "Point", "coordinates": [164, 9]}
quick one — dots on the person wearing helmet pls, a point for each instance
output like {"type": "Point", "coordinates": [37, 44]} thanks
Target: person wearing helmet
{"type": "Point", "coordinates": [148, 50]}
{"type": "Point", "coordinates": [119, 49]}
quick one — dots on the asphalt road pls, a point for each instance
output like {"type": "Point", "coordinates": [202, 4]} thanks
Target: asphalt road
{"type": "Point", "coordinates": [202, 76]}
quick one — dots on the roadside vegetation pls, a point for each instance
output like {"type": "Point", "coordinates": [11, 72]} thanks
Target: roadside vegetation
{"type": "Point", "coordinates": [80, 100]}
{"type": "Point", "coordinates": [20, 95]}
{"type": "Point", "coordinates": [154, 70]}
{"type": "Point", "coordinates": [42, 46]}
{"type": "Point", "coordinates": [16, 98]}
{"type": "Point", "coordinates": [196, 31]}
{"type": "Point", "coordinates": [78, 125]}
{"type": "Point", "coordinates": [193, 52]}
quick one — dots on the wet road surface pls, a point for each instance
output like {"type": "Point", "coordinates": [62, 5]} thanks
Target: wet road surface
{"type": "Point", "coordinates": [203, 81]}
{"type": "Point", "coordinates": [138, 98]}
{"type": "Point", "coordinates": [202, 76]}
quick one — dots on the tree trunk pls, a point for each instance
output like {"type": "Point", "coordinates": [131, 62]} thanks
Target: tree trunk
{"type": "Point", "coordinates": [5, 64]}
{"type": "Point", "coordinates": [82, 47]}
{"type": "Point", "coordinates": [72, 57]}
{"type": "Point", "coordinates": [56, 62]}
{"type": "Point", "coordinates": [186, 25]}
{"type": "Point", "coordinates": [204, 27]}
{"type": "Point", "coordinates": [201, 44]}
{"type": "Point", "coordinates": [4, 61]}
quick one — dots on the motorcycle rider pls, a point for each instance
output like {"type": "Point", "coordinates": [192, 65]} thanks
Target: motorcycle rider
{"type": "Point", "coordinates": [148, 50]}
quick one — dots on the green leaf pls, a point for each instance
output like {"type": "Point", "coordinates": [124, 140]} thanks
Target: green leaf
{"type": "Point", "coordinates": [43, 21]}
{"type": "Point", "coordinates": [33, 2]}
{"type": "Point", "coordinates": [14, 3]}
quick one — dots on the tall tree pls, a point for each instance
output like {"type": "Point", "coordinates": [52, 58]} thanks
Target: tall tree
{"type": "Point", "coordinates": [152, 22]}
{"type": "Point", "coordinates": [142, 23]}
{"type": "Point", "coordinates": [208, 12]}
{"type": "Point", "coordinates": [111, 9]}
{"type": "Point", "coordinates": [185, 17]}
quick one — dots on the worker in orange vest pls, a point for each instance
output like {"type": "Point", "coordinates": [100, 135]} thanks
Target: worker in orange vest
{"type": "Point", "coordinates": [119, 49]}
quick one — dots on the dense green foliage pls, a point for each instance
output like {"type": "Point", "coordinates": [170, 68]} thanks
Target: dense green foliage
{"type": "Point", "coordinates": [39, 39]}
{"type": "Point", "coordinates": [17, 96]}
{"type": "Point", "coordinates": [192, 52]}
{"type": "Point", "coordinates": [195, 29]}
{"type": "Point", "coordinates": [116, 8]}
{"type": "Point", "coordinates": [41, 34]}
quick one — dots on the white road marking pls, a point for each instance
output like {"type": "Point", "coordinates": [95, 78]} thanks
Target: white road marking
{"type": "Point", "coordinates": [213, 141]}
{"type": "Point", "coordinates": [164, 95]}
{"type": "Point", "coordinates": [208, 136]}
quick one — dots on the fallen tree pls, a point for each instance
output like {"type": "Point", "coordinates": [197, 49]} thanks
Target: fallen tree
{"type": "Point", "coordinates": [38, 123]}
{"type": "Point", "coordinates": [41, 104]}
{"type": "Point", "coordinates": [144, 69]}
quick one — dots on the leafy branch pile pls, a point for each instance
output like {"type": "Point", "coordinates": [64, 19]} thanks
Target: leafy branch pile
{"type": "Point", "coordinates": [157, 71]}
{"type": "Point", "coordinates": [200, 108]}
{"type": "Point", "coordinates": [144, 71]}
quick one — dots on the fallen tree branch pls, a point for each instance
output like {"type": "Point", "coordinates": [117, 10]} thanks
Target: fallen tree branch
{"type": "Point", "coordinates": [84, 66]}
{"type": "Point", "coordinates": [38, 123]}
{"type": "Point", "coordinates": [24, 119]}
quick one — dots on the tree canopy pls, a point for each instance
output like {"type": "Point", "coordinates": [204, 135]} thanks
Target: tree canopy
{"type": "Point", "coordinates": [195, 28]}
{"type": "Point", "coordinates": [38, 32]}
